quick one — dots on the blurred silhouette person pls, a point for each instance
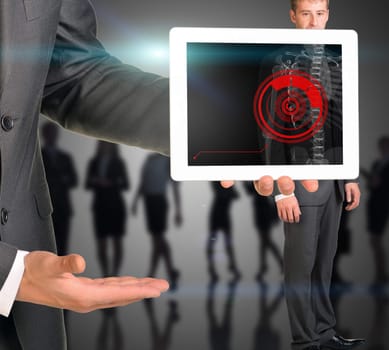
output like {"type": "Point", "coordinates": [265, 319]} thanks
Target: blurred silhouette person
{"type": "Point", "coordinates": [220, 331]}
{"type": "Point", "coordinates": [265, 336]}
{"type": "Point", "coordinates": [344, 248]}
{"type": "Point", "coordinates": [61, 178]}
{"type": "Point", "coordinates": [220, 221]}
{"type": "Point", "coordinates": [107, 178]}
{"type": "Point", "coordinates": [110, 336]}
{"type": "Point", "coordinates": [154, 181]}
{"type": "Point", "coordinates": [161, 339]}
{"type": "Point", "coordinates": [378, 208]}
{"type": "Point", "coordinates": [265, 217]}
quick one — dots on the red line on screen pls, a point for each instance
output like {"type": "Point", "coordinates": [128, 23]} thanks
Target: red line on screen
{"type": "Point", "coordinates": [230, 152]}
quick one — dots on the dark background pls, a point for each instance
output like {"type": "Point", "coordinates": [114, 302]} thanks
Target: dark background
{"type": "Point", "coordinates": [137, 32]}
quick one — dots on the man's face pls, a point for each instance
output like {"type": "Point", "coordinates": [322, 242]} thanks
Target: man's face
{"type": "Point", "coordinates": [310, 14]}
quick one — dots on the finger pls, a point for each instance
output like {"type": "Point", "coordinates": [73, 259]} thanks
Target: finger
{"type": "Point", "coordinates": [348, 207]}
{"type": "Point", "coordinates": [104, 296]}
{"type": "Point", "coordinates": [290, 215]}
{"type": "Point", "coordinates": [114, 280]}
{"type": "Point", "coordinates": [296, 213]}
{"type": "Point", "coordinates": [279, 212]}
{"type": "Point", "coordinates": [72, 263]}
{"type": "Point", "coordinates": [227, 183]}
{"type": "Point", "coordinates": [284, 216]}
{"type": "Point", "coordinates": [113, 305]}
{"type": "Point", "coordinates": [348, 196]}
{"type": "Point", "coordinates": [118, 304]}
{"type": "Point", "coordinates": [310, 185]}
{"type": "Point", "coordinates": [160, 284]}
{"type": "Point", "coordinates": [352, 205]}
{"type": "Point", "coordinates": [264, 186]}
{"type": "Point", "coordinates": [285, 185]}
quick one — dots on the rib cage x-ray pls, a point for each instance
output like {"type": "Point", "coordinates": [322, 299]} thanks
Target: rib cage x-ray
{"type": "Point", "coordinates": [310, 95]}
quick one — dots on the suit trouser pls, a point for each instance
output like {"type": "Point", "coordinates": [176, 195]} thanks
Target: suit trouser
{"type": "Point", "coordinates": [37, 328]}
{"type": "Point", "coordinates": [309, 251]}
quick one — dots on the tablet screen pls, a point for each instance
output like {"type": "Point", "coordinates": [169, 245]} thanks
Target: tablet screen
{"type": "Point", "coordinates": [266, 105]}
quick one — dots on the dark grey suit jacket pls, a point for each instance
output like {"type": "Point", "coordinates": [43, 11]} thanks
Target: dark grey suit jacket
{"type": "Point", "coordinates": [52, 62]}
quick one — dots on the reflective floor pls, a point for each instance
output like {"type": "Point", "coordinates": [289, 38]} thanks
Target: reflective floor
{"type": "Point", "coordinates": [224, 316]}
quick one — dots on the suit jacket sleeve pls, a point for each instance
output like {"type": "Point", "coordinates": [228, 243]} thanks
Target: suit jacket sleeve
{"type": "Point", "coordinates": [7, 257]}
{"type": "Point", "coordinates": [91, 92]}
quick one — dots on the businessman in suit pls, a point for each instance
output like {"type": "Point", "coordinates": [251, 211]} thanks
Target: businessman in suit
{"type": "Point", "coordinates": [51, 62]}
{"type": "Point", "coordinates": [61, 177]}
{"type": "Point", "coordinates": [312, 220]}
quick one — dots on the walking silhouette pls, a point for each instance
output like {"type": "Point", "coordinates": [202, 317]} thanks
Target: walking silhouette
{"type": "Point", "coordinates": [62, 178]}
{"type": "Point", "coordinates": [107, 178]}
{"type": "Point", "coordinates": [378, 210]}
{"type": "Point", "coordinates": [220, 222]}
{"type": "Point", "coordinates": [265, 217]}
{"type": "Point", "coordinates": [154, 181]}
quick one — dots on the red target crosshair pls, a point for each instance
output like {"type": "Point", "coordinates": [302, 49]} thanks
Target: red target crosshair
{"type": "Point", "coordinates": [290, 106]}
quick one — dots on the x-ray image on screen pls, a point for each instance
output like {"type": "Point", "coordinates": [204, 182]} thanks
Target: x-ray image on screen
{"type": "Point", "coordinates": [258, 104]}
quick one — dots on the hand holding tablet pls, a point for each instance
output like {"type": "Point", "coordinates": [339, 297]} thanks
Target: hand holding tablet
{"type": "Point", "coordinates": [265, 187]}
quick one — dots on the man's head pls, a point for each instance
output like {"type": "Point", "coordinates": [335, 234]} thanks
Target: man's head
{"type": "Point", "coordinates": [309, 14]}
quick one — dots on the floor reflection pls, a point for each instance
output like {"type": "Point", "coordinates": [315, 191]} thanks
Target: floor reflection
{"type": "Point", "coordinates": [266, 334]}
{"type": "Point", "coordinates": [220, 328]}
{"type": "Point", "coordinates": [110, 335]}
{"type": "Point", "coordinates": [378, 337]}
{"type": "Point", "coordinates": [161, 335]}
{"type": "Point", "coordinates": [236, 316]}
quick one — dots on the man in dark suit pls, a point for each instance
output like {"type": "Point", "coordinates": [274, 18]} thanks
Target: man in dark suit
{"type": "Point", "coordinates": [312, 219]}
{"type": "Point", "coordinates": [51, 62]}
{"type": "Point", "coordinates": [61, 178]}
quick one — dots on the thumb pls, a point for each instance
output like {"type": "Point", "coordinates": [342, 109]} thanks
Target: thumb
{"type": "Point", "coordinates": [227, 183]}
{"type": "Point", "coordinates": [310, 185]}
{"type": "Point", "coordinates": [72, 263]}
{"type": "Point", "coordinates": [264, 186]}
{"type": "Point", "coordinates": [285, 185]}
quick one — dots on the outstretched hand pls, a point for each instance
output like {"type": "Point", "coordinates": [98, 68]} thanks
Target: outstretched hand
{"type": "Point", "coordinates": [264, 186]}
{"type": "Point", "coordinates": [50, 280]}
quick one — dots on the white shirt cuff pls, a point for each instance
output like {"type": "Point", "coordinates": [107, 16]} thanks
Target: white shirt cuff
{"type": "Point", "coordinates": [11, 285]}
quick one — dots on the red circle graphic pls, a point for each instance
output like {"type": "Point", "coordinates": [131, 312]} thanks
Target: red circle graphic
{"type": "Point", "coordinates": [290, 106]}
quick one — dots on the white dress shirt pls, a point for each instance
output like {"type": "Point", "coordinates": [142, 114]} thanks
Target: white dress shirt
{"type": "Point", "coordinates": [11, 285]}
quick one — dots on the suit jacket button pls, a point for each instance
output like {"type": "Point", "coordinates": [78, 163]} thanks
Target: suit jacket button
{"type": "Point", "coordinates": [7, 123]}
{"type": "Point", "coordinates": [4, 216]}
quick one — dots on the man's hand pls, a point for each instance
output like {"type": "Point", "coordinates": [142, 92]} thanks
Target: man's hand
{"type": "Point", "coordinates": [288, 209]}
{"type": "Point", "coordinates": [353, 195]}
{"type": "Point", "coordinates": [264, 186]}
{"type": "Point", "coordinates": [49, 280]}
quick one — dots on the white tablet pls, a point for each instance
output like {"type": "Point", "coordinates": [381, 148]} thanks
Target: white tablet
{"type": "Point", "coordinates": [251, 102]}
